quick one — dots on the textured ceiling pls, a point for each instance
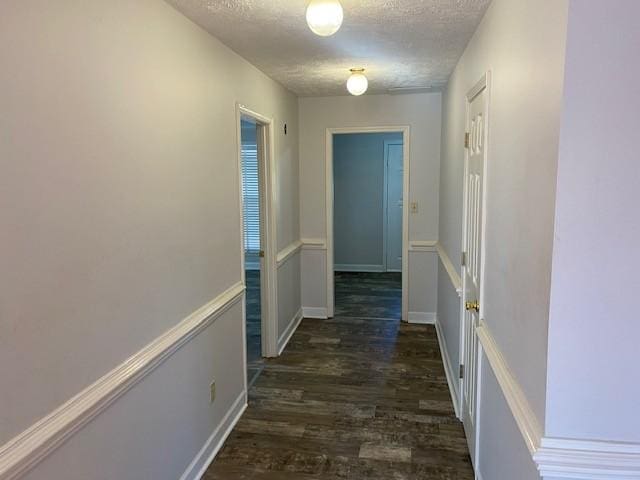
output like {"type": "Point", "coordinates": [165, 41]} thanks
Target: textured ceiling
{"type": "Point", "coordinates": [401, 43]}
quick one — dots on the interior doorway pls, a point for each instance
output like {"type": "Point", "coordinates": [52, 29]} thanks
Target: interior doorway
{"type": "Point", "coordinates": [255, 155]}
{"type": "Point", "coordinates": [367, 180]}
{"type": "Point", "coordinates": [253, 251]}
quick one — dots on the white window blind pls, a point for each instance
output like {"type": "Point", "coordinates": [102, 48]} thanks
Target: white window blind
{"type": "Point", "coordinates": [251, 196]}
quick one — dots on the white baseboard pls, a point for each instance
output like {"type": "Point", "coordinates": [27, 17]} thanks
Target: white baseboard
{"type": "Point", "coordinates": [214, 443]}
{"type": "Point", "coordinates": [348, 267]}
{"type": "Point", "coordinates": [289, 331]}
{"type": "Point", "coordinates": [452, 378]}
{"type": "Point", "coordinates": [315, 312]}
{"type": "Point", "coordinates": [427, 318]}
{"type": "Point", "coordinates": [30, 447]}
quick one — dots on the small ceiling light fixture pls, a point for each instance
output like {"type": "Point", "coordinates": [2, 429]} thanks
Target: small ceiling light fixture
{"type": "Point", "coordinates": [324, 17]}
{"type": "Point", "coordinates": [357, 83]}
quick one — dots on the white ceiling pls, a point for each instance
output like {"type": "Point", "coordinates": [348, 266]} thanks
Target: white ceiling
{"type": "Point", "coordinates": [401, 43]}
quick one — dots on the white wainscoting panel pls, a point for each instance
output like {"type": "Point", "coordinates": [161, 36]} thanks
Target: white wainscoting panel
{"type": "Point", "coordinates": [288, 333]}
{"type": "Point", "coordinates": [214, 443]}
{"type": "Point", "coordinates": [574, 459]}
{"type": "Point", "coordinates": [451, 373]}
{"type": "Point", "coordinates": [523, 413]}
{"type": "Point", "coordinates": [30, 447]}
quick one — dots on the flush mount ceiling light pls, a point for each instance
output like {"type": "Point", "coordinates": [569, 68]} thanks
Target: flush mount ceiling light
{"type": "Point", "coordinates": [357, 83]}
{"type": "Point", "coordinates": [324, 17]}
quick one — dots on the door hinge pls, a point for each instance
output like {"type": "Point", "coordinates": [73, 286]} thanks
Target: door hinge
{"type": "Point", "coordinates": [461, 371]}
{"type": "Point", "coordinates": [463, 259]}
{"type": "Point", "coordinates": [466, 140]}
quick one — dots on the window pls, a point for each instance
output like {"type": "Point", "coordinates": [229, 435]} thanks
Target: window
{"type": "Point", "coordinates": [251, 196]}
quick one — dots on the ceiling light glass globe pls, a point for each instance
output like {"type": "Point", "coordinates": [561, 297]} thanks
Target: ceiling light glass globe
{"type": "Point", "coordinates": [357, 83]}
{"type": "Point", "coordinates": [324, 17]}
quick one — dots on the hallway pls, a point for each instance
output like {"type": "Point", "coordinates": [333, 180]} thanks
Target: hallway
{"type": "Point", "coordinates": [356, 396]}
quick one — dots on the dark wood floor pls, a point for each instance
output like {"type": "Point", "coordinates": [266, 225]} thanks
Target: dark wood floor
{"type": "Point", "coordinates": [354, 397]}
{"type": "Point", "coordinates": [255, 362]}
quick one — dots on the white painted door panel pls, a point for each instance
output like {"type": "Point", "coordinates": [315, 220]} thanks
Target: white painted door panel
{"type": "Point", "coordinates": [394, 159]}
{"type": "Point", "coordinates": [474, 183]}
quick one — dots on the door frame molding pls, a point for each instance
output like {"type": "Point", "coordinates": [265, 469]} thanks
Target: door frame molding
{"type": "Point", "coordinates": [484, 83]}
{"type": "Point", "coordinates": [268, 280]}
{"type": "Point", "coordinates": [406, 150]}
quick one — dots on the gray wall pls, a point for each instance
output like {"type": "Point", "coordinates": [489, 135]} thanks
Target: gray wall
{"type": "Point", "coordinates": [522, 44]}
{"type": "Point", "coordinates": [359, 217]}
{"type": "Point", "coordinates": [119, 216]}
{"type": "Point", "coordinates": [593, 387]}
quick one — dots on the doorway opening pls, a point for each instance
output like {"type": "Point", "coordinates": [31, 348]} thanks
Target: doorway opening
{"type": "Point", "coordinates": [366, 222]}
{"type": "Point", "coordinates": [258, 252]}
{"type": "Point", "coordinates": [253, 250]}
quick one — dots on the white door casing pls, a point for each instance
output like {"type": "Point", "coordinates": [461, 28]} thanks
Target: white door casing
{"type": "Point", "coordinates": [268, 264]}
{"type": "Point", "coordinates": [393, 153]}
{"type": "Point", "coordinates": [473, 264]}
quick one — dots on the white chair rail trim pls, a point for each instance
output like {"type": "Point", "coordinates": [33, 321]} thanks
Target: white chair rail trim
{"type": "Point", "coordinates": [287, 252]}
{"type": "Point", "coordinates": [450, 268]}
{"type": "Point", "coordinates": [422, 245]}
{"type": "Point", "coordinates": [24, 451]}
{"type": "Point", "coordinates": [588, 459]}
{"type": "Point", "coordinates": [559, 457]}
{"type": "Point", "coordinates": [314, 244]}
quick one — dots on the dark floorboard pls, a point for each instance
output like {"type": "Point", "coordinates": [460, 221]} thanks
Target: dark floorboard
{"type": "Point", "coordinates": [255, 362]}
{"type": "Point", "coordinates": [359, 396]}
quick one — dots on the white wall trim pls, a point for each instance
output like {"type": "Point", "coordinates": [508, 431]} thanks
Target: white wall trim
{"type": "Point", "coordinates": [287, 252]}
{"type": "Point", "coordinates": [422, 245]}
{"type": "Point", "coordinates": [214, 443]}
{"type": "Point", "coordinates": [314, 243]}
{"type": "Point", "coordinates": [349, 267]}
{"type": "Point", "coordinates": [24, 451]}
{"type": "Point", "coordinates": [425, 318]}
{"type": "Point", "coordinates": [289, 331]}
{"type": "Point", "coordinates": [588, 459]}
{"type": "Point", "coordinates": [452, 376]}
{"type": "Point", "coordinates": [575, 459]}
{"type": "Point", "coordinates": [268, 203]}
{"type": "Point", "coordinates": [314, 312]}
{"type": "Point", "coordinates": [456, 280]}
{"type": "Point", "coordinates": [522, 412]}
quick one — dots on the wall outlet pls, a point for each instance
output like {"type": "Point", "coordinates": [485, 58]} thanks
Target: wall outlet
{"type": "Point", "coordinates": [414, 207]}
{"type": "Point", "coordinates": [212, 391]}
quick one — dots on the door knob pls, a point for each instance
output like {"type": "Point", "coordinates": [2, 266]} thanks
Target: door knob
{"type": "Point", "coordinates": [472, 306]}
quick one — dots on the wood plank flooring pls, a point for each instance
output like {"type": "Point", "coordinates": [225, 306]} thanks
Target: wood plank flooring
{"type": "Point", "coordinates": [353, 397]}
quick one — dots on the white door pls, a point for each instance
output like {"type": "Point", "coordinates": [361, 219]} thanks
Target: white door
{"type": "Point", "coordinates": [394, 176]}
{"type": "Point", "coordinates": [475, 148]}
